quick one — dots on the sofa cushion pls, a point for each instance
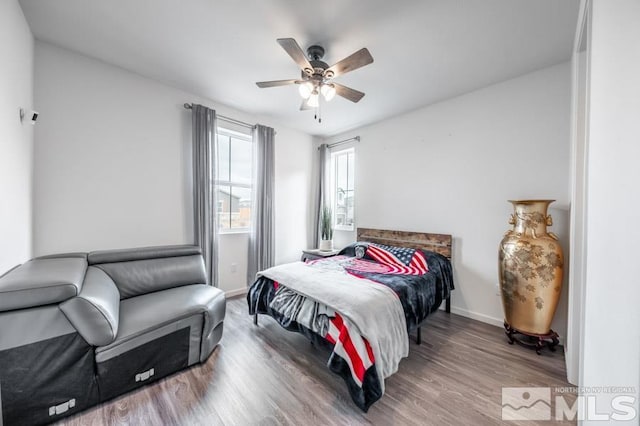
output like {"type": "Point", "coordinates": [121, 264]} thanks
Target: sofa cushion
{"type": "Point", "coordinates": [142, 315]}
{"type": "Point", "coordinates": [95, 311]}
{"type": "Point", "coordinates": [41, 282]}
{"type": "Point", "coordinates": [140, 277]}
{"type": "Point", "coordinates": [144, 270]}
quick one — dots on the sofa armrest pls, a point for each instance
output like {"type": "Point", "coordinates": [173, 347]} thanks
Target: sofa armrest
{"type": "Point", "coordinates": [95, 311]}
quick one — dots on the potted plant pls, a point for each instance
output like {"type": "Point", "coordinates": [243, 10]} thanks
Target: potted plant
{"type": "Point", "coordinates": [326, 231]}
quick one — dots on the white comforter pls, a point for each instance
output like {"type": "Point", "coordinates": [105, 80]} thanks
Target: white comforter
{"type": "Point", "coordinates": [373, 308]}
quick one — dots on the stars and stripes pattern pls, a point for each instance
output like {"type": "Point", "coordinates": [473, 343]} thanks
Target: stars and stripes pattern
{"type": "Point", "coordinates": [400, 260]}
{"type": "Point", "coordinates": [350, 346]}
{"type": "Point", "coordinates": [348, 343]}
{"type": "Point", "coordinates": [359, 265]}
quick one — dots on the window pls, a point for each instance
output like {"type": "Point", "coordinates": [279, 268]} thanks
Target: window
{"type": "Point", "coordinates": [343, 189]}
{"type": "Point", "coordinates": [233, 180]}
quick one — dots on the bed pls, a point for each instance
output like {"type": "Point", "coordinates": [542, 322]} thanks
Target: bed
{"type": "Point", "coordinates": [363, 303]}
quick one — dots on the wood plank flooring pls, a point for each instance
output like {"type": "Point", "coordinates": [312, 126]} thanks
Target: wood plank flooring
{"type": "Point", "coordinates": [265, 375]}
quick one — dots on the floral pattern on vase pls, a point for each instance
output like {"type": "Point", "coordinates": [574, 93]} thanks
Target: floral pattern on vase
{"type": "Point", "coordinates": [530, 267]}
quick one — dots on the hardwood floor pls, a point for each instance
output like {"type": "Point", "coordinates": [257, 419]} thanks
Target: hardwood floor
{"type": "Point", "coordinates": [265, 375]}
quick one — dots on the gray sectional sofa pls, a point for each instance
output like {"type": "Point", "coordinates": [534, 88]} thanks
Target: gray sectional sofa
{"type": "Point", "coordinates": [78, 329]}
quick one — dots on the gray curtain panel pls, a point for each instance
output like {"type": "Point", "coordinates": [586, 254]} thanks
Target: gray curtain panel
{"type": "Point", "coordinates": [262, 237]}
{"type": "Point", "coordinates": [323, 189]}
{"type": "Point", "coordinates": [205, 217]}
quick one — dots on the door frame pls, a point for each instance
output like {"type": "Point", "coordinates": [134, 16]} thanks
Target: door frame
{"type": "Point", "coordinates": [580, 64]}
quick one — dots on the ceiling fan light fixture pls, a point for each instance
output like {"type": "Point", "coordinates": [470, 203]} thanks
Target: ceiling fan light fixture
{"type": "Point", "coordinates": [314, 100]}
{"type": "Point", "coordinates": [305, 89]}
{"type": "Point", "coordinates": [328, 91]}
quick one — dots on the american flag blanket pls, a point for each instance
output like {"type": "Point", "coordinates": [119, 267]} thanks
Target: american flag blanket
{"type": "Point", "coordinates": [422, 280]}
{"type": "Point", "coordinates": [347, 342]}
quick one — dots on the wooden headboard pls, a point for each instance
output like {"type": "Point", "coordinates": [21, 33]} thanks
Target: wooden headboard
{"type": "Point", "coordinates": [439, 243]}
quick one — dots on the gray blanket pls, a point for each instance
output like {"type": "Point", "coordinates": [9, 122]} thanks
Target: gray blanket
{"type": "Point", "coordinates": [296, 307]}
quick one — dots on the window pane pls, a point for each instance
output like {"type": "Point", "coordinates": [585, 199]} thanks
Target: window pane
{"type": "Point", "coordinates": [225, 206]}
{"type": "Point", "coordinates": [341, 172]}
{"type": "Point", "coordinates": [349, 208]}
{"type": "Point", "coordinates": [344, 188]}
{"type": "Point", "coordinates": [223, 158]}
{"type": "Point", "coordinates": [241, 207]}
{"type": "Point", "coordinates": [241, 160]}
{"type": "Point", "coordinates": [234, 171]}
{"type": "Point", "coordinates": [350, 171]}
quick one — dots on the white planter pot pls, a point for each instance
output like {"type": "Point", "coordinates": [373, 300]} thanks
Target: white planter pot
{"type": "Point", "coordinates": [326, 245]}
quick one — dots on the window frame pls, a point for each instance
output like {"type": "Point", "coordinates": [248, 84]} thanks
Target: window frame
{"type": "Point", "coordinates": [335, 153]}
{"type": "Point", "coordinates": [217, 183]}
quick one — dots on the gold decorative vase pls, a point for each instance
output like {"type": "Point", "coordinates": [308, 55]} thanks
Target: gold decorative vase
{"type": "Point", "coordinates": [530, 264]}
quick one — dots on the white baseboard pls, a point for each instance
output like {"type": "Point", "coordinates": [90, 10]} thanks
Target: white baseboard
{"type": "Point", "coordinates": [498, 322]}
{"type": "Point", "coordinates": [478, 317]}
{"type": "Point", "coordinates": [236, 292]}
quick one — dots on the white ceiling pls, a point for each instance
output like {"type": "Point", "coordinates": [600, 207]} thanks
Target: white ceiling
{"type": "Point", "coordinates": [424, 50]}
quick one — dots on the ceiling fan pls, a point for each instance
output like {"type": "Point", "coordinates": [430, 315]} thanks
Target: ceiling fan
{"type": "Point", "coordinates": [317, 76]}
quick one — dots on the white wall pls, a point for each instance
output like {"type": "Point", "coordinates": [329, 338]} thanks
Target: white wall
{"type": "Point", "coordinates": [112, 164]}
{"type": "Point", "coordinates": [16, 139]}
{"type": "Point", "coordinates": [451, 167]}
{"type": "Point", "coordinates": [611, 338]}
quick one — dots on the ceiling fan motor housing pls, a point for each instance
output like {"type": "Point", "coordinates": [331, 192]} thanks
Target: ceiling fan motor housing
{"type": "Point", "coordinates": [315, 52]}
{"type": "Point", "coordinates": [319, 66]}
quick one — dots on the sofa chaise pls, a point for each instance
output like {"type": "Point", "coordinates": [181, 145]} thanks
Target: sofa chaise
{"type": "Point", "coordinates": [78, 329]}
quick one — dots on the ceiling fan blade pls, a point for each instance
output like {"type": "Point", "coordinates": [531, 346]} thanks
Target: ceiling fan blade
{"type": "Point", "coordinates": [275, 83]}
{"type": "Point", "coordinates": [348, 93]}
{"type": "Point", "coordinates": [293, 49]}
{"type": "Point", "coordinates": [357, 60]}
{"type": "Point", "coordinates": [305, 105]}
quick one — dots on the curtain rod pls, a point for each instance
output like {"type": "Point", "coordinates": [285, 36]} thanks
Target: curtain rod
{"type": "Point", "coordinates": [355, 138]}
{"type": "Point", "coordinates": [227, 119]}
